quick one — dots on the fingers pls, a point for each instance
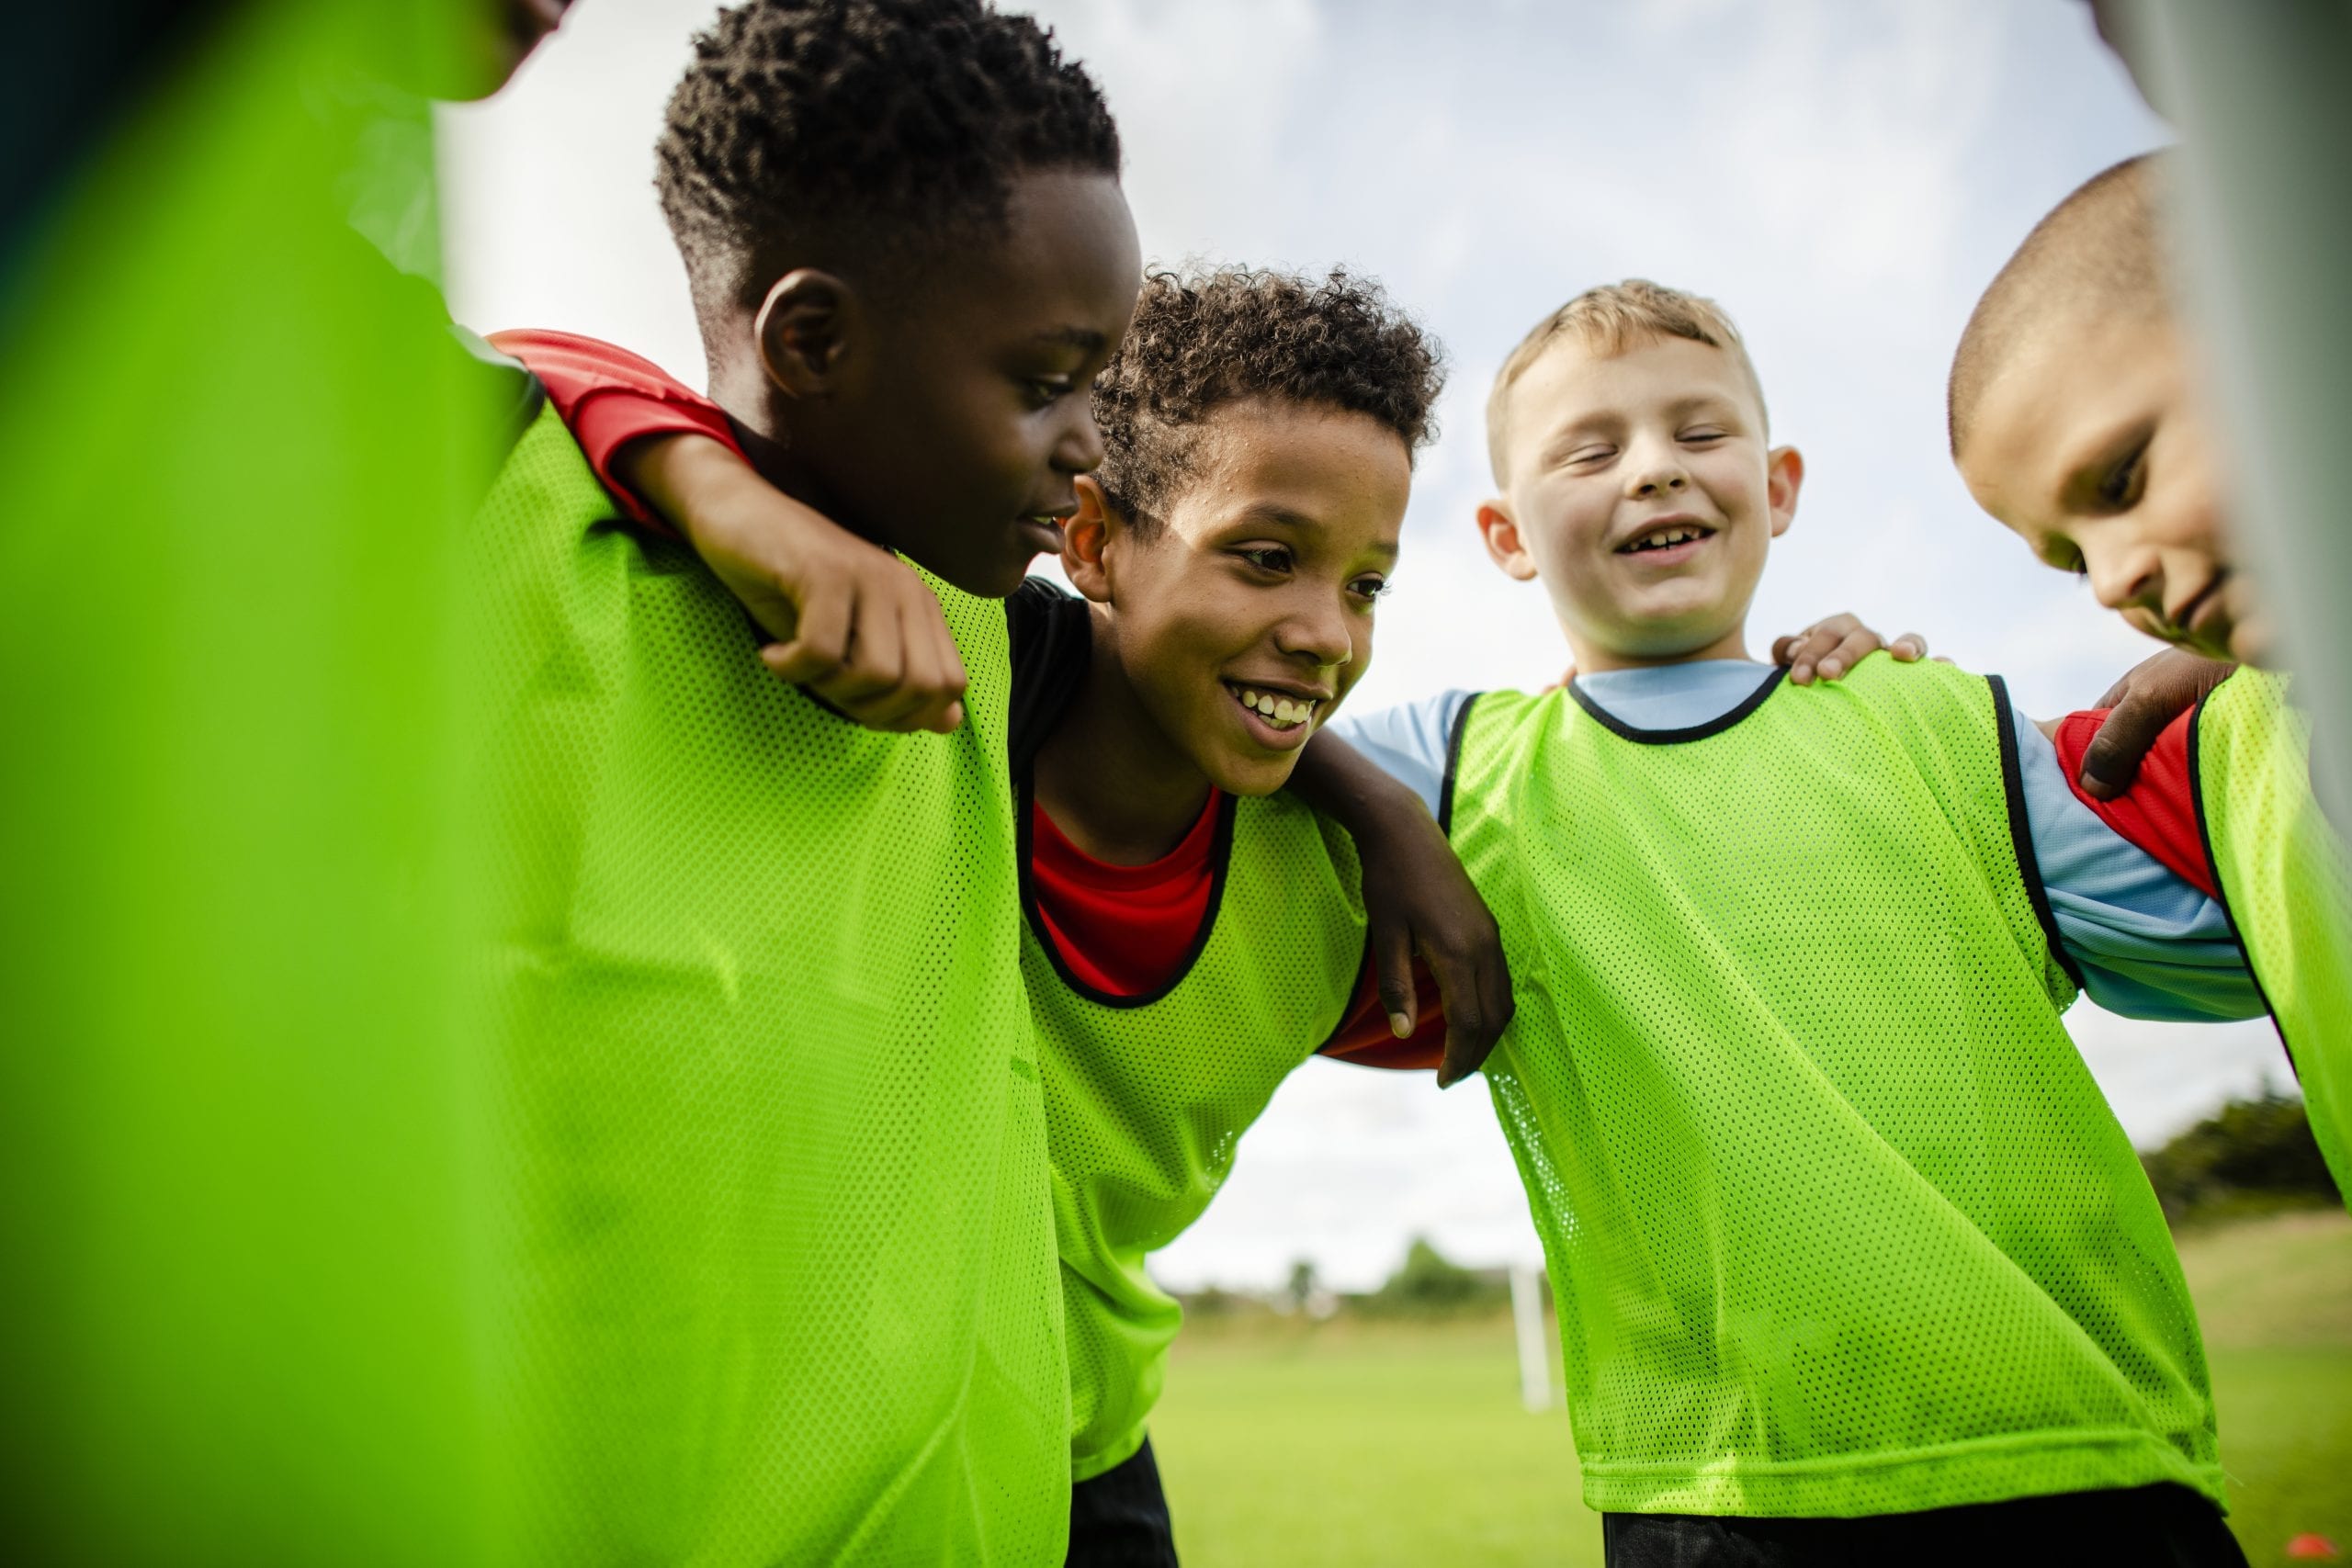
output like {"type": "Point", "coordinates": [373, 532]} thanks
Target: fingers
{"type": "Point", "coordinates": [1827, 648]}
{"type": "Point", "coordinates": [1392, 957]}
{"type": "Point", "coordinates": [2112, 759]}
{"type": "Point", "coordinates": [820, 645]}
{"type": "Point", "coordinates": [1908, 648]}
{"type": "Point", "coordinates": [881, 653]}
{"type": "Point", "coordinates": [1473, 986]}
{"type": "Point", "coordinates": [2149, 696]}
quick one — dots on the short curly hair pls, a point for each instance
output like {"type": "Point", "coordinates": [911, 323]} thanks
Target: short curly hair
{"type": "Point", "coordinates": [1202, 339]}
{"type": "Point", "coordinates": [879, 128]}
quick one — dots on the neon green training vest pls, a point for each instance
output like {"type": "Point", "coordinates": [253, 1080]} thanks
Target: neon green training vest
{"type": "Point", "coordinates": [1147, 1097]}
{"type": "Point", "coordinates": [2284, 883]}
{"type": "Point", "coordinates": [1836, 1220]}
{"type": "Point", "coordinates": [770, 1148]}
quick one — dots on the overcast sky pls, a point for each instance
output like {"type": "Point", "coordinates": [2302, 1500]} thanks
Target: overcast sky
{"type": "Point", "coordinates": [1843, 178]}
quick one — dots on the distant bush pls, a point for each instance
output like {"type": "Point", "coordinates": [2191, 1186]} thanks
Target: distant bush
{"type": "Point", "coordinates": [1427, 1285]}
{"type": "Point", "coordinates": [2256, 1155]}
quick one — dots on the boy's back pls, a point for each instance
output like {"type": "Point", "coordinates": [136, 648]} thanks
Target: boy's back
{"type": "Point", "coordinates": [779, 1246]}
{"type": "Point", "coordinates": [1840, 1223]}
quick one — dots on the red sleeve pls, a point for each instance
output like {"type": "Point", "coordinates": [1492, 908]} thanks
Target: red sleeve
{"type": "Point", "coordinates": [1365, 1038]}
{"type": "Point", "coordinates": [2159, 811]}
{"type": "Point", "coordinates": [609, 397]}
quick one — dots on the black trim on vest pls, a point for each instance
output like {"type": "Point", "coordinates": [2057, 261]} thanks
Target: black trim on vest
{"type": "Point", "coordinates": [2021, 832]}
{"type": "Point", "coordinates": [1220, 860]}
{"type": "Point", "coordinates": [1715, 726]}
{"type": "Point", "coordinates": [1453, 762]}
{"type": "Point", "coordinates": [2221, 888]}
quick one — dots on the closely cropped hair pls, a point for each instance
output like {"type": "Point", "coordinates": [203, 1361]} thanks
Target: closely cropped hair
{"type": "Point", "coordinates": [872, 124]}
{"type": "Point", "coordinates": [1607, 321]}
{"type": "Point", "coordinates": [2099, 250]}
{"type": "Point", "coordinates": [1201, 340]}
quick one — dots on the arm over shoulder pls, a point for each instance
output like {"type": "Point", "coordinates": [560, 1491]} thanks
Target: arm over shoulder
{"type": "Point", "coordinates": [609, 397]}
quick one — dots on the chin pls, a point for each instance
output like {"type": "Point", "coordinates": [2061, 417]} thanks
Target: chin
{"type": "Point", "coordinates": [1251, 776]}
{"type": "Point", "coordinates": [993, 579]}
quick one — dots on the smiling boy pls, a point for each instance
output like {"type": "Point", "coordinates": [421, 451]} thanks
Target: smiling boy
{"type": "Point", "coordinates": [777, 1240]}
{"type": "Point", "coordinates": [1854, 1263]}
{"type": "Point", "coordinates": [2078, 421]}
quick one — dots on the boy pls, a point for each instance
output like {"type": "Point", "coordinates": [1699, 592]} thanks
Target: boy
{"type": "Point", "coordinates": [1853, 1262]}
{"type": "Point", "coordinates": [778, 1240]}
{"type": "Point", "coordinates": [2076, 421]}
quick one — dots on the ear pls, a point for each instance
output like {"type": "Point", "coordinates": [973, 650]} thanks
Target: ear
{"type": "Point", "coordinates": [806, 327]}
{"type": "Point", "coordinates": [1784, 477]}
{"type": "Point", "coordinates": [1085, 538]}
{"type": "Point", "coordinates": [1505, 544]}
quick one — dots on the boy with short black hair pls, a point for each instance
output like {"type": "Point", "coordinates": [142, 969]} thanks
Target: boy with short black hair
{"type": "Point", "coordinates": [778, 1240]}
{"type": "Point", "coordinates": [1853, 1262]}
{"type": "Point", "coordinates": [2078, 421]}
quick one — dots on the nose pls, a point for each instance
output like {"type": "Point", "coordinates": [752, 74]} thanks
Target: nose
{"type": "Point", "coordinates": [1655, 471]}
{"type": "Point", "coordinates": [1078, 446]}
{"type": "Point", "coordinates": [1319, 628]}
{"type": "Point", "coordinates": [2124, 575]}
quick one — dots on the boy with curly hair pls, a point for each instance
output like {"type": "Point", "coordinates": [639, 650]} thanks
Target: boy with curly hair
{"type": "Point", "coordinates": [2078, 421]}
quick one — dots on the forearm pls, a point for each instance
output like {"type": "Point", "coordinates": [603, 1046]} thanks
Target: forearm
{"type": "Point", "coordinates": [1340, 783]}
{"type": "Point", "coordinates": [689, 479]}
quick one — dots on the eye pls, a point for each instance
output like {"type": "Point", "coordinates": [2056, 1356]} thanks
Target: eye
{"type": "Point", "coordinates": [1044, 392]}
{"type": "Point", "coordinates": [2119, 488]}
{"type": "Point", "coordinates": [1369, 587]}
{"type": "Point", "coordinates": [1701, 436]}
{"type": "Point", "coordinates": [1585, 456]}
{"type": "Point", "coordinates": [1275, 559]}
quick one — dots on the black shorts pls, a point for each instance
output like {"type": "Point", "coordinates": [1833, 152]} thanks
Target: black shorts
{"type": "Point", "coordinates": [2148, 1527]}
{"type": "Point", "coordinates": [1119, 1520]}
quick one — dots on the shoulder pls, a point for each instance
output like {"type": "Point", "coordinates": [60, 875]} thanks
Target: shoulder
{"type": "Point", "coordinates": [576, 357]}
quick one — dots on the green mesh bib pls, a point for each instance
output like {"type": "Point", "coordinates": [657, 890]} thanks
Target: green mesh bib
{"type": "Point", "coordinates": [770, 1138]}
{"type": "Point", "coordinates": [1147, 1097]}
{"type": "Point", "coordinates": [1837, 1222]}
{"type": "Point", "coordinates": [2283, 878]}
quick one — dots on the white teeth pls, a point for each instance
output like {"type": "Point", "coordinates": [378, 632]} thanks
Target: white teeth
{"type": "Point", "coordinates": [1281, 712]}
{"type": "Point", "coordinates": [1667, 538]}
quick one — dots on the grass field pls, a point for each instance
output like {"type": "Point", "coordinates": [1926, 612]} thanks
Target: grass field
{"type": "Point", "coordinates": [1367, 1444]}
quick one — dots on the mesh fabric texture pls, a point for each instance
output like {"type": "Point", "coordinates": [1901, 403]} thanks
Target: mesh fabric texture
{"type": "Point", "coordinates": [1838, 1220]}
{"type": "Point", "coordinates": [769, 1133]}
{"type": "Point", "coordinates": [2284, 885]}
{"type": "Point", "coordinates": [1146, 1097]}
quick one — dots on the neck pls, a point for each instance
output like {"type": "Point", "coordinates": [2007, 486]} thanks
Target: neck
{"type": "Point", "coordinates": [1109, 776]}
{"type": "Point", "coordinates": [760, 415]}
{"type": "Point", "coordinates": [1593, 658]}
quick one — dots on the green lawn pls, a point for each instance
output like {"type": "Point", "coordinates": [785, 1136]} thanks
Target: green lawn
{"type": "Point", "coordinates": [1350, 1443]}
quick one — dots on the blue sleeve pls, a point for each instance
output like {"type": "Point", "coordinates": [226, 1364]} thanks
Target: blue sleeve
{"type": "Point", "coordinates": [1408, 742]}
{"type": "Point", "coordinates": [2148, 944]}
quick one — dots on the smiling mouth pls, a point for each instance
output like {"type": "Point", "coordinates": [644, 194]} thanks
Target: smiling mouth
{"type": "Point", "coordinates": [1665, 536]}
{"type": "Point", "coordinates": [1278, 711]}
